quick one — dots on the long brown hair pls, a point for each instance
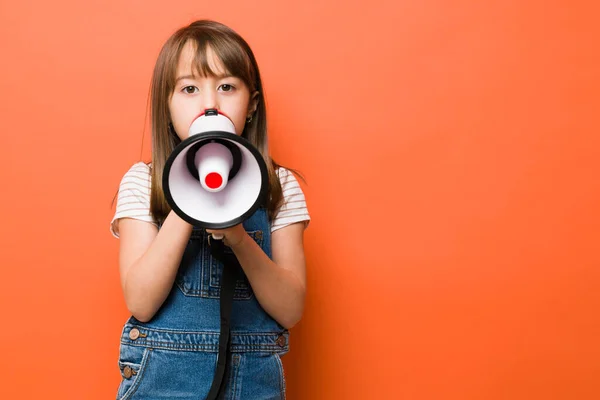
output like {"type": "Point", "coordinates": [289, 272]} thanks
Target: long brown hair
{"type": "Point", "coordinates": [238, 59]}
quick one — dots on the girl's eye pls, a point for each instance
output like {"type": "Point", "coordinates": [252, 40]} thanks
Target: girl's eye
{"type": "Point", "coordinates": [226, 87]}
{"type": "Point", "coordinates": [190, 89]}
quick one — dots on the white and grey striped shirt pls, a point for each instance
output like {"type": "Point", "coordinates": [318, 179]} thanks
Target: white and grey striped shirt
{"type": "Point", "coordinates": [133, 200]}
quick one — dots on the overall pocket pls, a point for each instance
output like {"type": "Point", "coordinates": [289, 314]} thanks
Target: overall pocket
{"type": "Point", "coordinates": [199, 274]}
{"type": "Point", "coordinates": [261, 376]}
{"type": "Point", "coordinates": [133, 361]}
{"type": "Point", "coordinates": [282, 380]}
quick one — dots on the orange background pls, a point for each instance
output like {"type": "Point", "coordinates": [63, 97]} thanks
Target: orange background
{"type": "Point", "coordinates": [451, 151]}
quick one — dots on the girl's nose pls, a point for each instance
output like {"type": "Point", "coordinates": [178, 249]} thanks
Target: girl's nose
{"type": "Point", "coordinates": [210, 102]}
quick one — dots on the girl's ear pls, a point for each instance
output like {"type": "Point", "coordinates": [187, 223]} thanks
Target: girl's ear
{"type": "Point", "coordinates": [253, 103]}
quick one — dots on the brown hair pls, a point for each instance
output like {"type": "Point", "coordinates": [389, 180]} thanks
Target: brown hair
{"type": "Point", "coordinates": [237, 58]}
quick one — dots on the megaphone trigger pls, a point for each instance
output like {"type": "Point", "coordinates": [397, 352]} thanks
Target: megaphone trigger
{"type": "Point", "coordinates": [214, 236]}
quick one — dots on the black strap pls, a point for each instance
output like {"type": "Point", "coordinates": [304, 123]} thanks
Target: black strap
{"type": "Point", "coordinates": [231, 269]}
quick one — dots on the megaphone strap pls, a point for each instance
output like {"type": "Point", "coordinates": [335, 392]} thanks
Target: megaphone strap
{"type": "Point", "coordinates": [231, 269]}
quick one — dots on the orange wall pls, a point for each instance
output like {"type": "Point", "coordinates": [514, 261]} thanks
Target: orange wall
{"type": "Point", "coordinates": [453, 251]}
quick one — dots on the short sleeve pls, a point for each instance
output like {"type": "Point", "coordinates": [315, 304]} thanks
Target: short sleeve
{"type": "Point", "coordinates": [133, 200]}
{"type": "Point", "coordinates": [294, 208]}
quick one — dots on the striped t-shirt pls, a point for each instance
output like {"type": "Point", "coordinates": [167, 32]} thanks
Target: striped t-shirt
{"type": "Point", "coordinates": [133, 200]}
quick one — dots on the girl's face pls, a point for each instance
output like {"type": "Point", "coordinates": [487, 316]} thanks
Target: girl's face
{"type": "Point", "coordinates": [193, 94]}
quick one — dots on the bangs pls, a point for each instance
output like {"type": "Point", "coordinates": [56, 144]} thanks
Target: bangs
{"type": "Point", "coordinates": [229, 57]}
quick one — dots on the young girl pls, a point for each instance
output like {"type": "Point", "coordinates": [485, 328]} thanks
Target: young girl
{"type": "Point", "coordinates": [170, 281]}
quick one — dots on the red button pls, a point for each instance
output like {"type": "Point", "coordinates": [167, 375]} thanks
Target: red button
{"type": "Point", "coordinates": [213, 180]}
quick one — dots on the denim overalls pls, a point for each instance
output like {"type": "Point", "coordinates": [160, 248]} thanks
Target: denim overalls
{"type": "Point", "coordinates": [174, 355]}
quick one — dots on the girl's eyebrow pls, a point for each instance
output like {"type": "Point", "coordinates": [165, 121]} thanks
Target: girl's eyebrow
{"type": "Point", "coordinates": [184, 77]}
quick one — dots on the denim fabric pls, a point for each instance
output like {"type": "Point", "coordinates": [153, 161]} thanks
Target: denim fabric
{"type": "Point", "coordinates": [174, 355]}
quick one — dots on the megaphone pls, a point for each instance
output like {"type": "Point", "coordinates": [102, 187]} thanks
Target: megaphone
{"type": "Point", "coordinates": [215, 179]}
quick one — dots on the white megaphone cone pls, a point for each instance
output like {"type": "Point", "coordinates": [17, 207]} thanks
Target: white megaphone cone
{"type": "Point", "coordinates": [213, 162]}
{"type": "Point", "coordinates": [215, 179]}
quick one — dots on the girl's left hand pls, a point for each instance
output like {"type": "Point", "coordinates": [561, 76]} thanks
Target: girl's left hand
{"type": "Point", "coordinates": [231, 236]}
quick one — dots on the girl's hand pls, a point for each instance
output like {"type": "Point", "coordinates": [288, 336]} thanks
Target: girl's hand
{"type": "Point", "coordinates": [231, 236]}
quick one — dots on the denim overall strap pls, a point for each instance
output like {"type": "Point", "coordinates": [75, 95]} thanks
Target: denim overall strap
{"type": "Point", "coordinates": [231, 271]}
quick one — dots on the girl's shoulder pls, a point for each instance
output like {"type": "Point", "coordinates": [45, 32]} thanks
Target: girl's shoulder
{"type": "Point", "coordinates": [284, 174]}
{"type": "Point", "coordinates": [140, 167]}
{"type": "Point", "coordinates": [138, 172]}
{"type": "Point", "coordinates": [288, 180]}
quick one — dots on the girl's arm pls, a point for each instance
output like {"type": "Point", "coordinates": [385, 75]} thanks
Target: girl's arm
{"type": "Point", "coordinates": [279, 285]}
{"type": "Point", "coordinates": [149, 260]}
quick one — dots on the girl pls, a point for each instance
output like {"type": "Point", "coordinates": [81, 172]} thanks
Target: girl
{"type": "Point", "coordinates": [170, 281]}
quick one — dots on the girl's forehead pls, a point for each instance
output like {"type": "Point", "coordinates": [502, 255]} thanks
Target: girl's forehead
{"type": "Point", "coordinates": [194, 62]}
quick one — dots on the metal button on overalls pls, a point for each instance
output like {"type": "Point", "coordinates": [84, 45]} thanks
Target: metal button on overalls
{"type": "Point", "coordinates": [134, 334]}
{"type": "Point", "coordinates": [127, 372]}
{"type": "Point", "coordinates": [280, 341]}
